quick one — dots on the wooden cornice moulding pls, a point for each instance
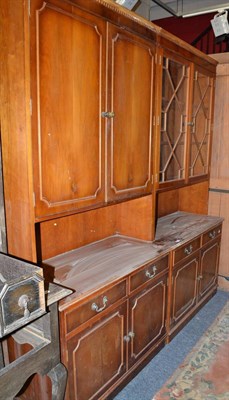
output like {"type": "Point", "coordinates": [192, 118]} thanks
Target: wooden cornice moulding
{"type": "Point", "coordinates": [162, 37]}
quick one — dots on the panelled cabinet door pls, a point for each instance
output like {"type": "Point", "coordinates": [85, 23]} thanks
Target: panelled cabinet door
{"type": "Point", "coordinates": [209, 263]}
{"type": "Point", "coordinates": [174, 111]}
{"type": "Point", "coordinates": [184, 289]}
{"type": "Point", "coordinates": [147, 319]}
{"type": "Point", "coordinates": [130, 98]}
{"type": "Point", "coordinates": [96, 356]}
{"type": "Point", "coordinates": [200, 124]}
{"type": "Point", "coordinates": [68, 83]}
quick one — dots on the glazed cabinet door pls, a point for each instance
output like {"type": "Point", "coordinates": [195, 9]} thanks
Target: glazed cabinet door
{"type": "Point", "coordinates": [130, 100]}
{"type": "Point", "coordinates": [174, 113]}
{"type": "Point", "coordinates": [184, 289]}
{"type": "Point", "coordinates": [201, 124]}
{"type": "Point", "coordinates": [147, 316]}
{"type": "Point", "coordinates": [97, 356]}
{"type": "Point", "coordinates": [68, 84]}
{"type": "Point", "coordinates": [209, 263]}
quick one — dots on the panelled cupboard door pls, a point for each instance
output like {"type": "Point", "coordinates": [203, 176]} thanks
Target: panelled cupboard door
{"type": "Point", "coordinates": [201, 123]}
{"type": "Point", "coordinates": [147, 318]}
{"type": "Point", "coordinates": [68, 84]}
{"type": "Point", "coordinates": [97, 356]}
{"type": "Point", "coordinates": [130, 97]}
{"type": "Point", "coordinates": [209, 263]}
{"type": "Point", "coordinates": [184, 289]}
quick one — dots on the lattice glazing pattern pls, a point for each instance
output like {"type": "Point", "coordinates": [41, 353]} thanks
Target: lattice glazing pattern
{"type": "Point", "coordinates": [201, 125]}
{"type": "Point", "coordinates": [173, 120]}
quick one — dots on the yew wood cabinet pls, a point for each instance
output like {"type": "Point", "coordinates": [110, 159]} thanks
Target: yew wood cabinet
{"type": "Point", "coordinates": [106, 183]}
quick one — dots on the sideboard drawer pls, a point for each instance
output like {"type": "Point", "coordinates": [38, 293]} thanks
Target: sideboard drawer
{"type": "Point", "coordinates": [149, 271]}
{"type": "Point", "coordinates": [186, 250]}
{"type": "Point", "coordinates": [96, 305]}
{"type": "Point", "coordinates": [211, 234]}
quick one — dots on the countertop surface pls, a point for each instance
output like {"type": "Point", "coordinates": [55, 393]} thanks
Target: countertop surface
{"type": "Point", "coordinates": [91, 267]}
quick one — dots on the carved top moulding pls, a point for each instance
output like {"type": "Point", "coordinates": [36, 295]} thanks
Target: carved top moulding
{"type": "Point", "coordinates": [117, 14]}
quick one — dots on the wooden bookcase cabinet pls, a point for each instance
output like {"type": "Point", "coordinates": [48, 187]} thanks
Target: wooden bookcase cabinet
{"type": "Point", "coordinates": [46, 173]}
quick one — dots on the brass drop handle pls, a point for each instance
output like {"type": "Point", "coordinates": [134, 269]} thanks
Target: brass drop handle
{"type": "Point", "coordinates": [188, 250]}
{"type": "Point", "coordinates": [129, 336]}
{"type": "Point", "coordinates": [190, 123]}
{"type": "Point", "coordinates": [212, 234]}
{"type": "Point", "coordinates": [108, 114]}
{"type": "Point", "coordinates": [96, 308]}
{"type": "Point", "coordinates": [149, 275]}
{"type": "Point", "coordinates": [23, 303]}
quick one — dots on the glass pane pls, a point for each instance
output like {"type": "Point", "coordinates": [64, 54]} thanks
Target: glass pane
{"type": "Point", "coordinates": [200, 132]}
{"type": "Point", "coordinates": [173, 116]}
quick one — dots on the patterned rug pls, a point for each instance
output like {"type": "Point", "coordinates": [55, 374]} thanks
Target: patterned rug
{"type": "Point", "coordinates": [204, 374]}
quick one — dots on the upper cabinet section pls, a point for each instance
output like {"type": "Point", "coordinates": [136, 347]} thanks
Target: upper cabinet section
{"type": "Point", "coordinates": [201, 123]}
{"type": "Point", "coordinates": [174, 111]}
{"type": "Point", "coordinates": [68, 87]}
{"type": "Point", "coordinates": [130, 97]}
{"type": "Point", "coordinates": [96, 107]}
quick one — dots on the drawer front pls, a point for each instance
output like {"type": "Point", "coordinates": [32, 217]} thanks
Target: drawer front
{"type": "Point", "coordinates": [211, 234]}
{"type": "Point", "coordinates": [148, 272]}
{"type": "Point", "coordinates": [185, 250]}
{"type": "Point", "coordinates": [21, 303]}
{"type": "Point", "coordinates": [95, 306]}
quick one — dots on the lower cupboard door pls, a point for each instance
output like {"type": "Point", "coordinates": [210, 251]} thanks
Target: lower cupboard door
{"type": "Point", "coordinates": [184, 290]}
{"type": "Point", "coordinates": [209, 263]}
{"type": "Point", "coordinates": [148, 318]}
{"type": "Point", "coordinates": [97, 356]}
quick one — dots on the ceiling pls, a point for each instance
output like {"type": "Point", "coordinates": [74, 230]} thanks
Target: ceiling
{"type": "Point", "coordinates": [153, 10]}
